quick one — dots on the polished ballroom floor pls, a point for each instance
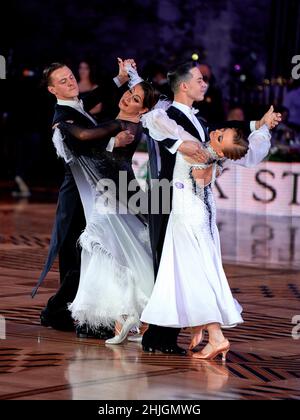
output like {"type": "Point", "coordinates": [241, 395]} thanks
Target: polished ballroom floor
{"type": "Point", "coordinates": [264, 362]}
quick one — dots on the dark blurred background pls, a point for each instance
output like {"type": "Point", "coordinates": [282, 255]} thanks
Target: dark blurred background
{"type": "Point", "coordinates": [245, 50]}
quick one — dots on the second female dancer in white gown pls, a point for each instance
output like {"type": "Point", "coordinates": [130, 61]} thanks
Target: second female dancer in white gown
{"type": "Point", "coordinates": [191, 289]}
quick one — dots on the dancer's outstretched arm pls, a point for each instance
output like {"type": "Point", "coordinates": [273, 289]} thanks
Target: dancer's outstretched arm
{"type": "Point", "coordinates": [259, 140]}
{"type": "Point", "coordinates": [163, 129]}
{"type": "Point", "coordinates": [101, 132]}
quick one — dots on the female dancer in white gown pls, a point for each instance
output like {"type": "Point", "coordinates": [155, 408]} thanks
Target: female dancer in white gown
{"type": "Point", "coordinates": [191, 289]}
{"type": "Point", "coordinates": [116, 276]}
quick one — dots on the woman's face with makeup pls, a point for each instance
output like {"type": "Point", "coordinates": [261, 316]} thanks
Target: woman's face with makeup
{"type": "Point", "coordinates": [132, 101]}
{"type": "Point", "coordinates": [223, 138]}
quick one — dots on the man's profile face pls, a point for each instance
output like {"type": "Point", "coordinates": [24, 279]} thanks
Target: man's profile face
{"type": "Point", "coordinates": [63, 84]}
{"type": "Point", "coordinates": [196, 87]}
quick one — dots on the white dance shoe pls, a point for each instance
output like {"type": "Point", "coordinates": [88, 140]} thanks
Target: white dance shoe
{"type": "Point", "coordinates": [130, 322]}
{"type": "Point", "coordinates": [137, 338]}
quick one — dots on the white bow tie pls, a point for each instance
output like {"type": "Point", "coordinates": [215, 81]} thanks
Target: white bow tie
{"type": "Point", "coordinates": [194, 111]}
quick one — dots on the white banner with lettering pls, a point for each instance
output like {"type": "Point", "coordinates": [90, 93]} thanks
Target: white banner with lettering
{"type": "Point", "coordinates": [271, 188]}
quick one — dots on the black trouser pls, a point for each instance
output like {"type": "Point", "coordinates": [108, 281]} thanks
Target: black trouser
{"type": "Point", "coordinates": [69, 267]}
{"type": "Point", "coordinates": [158, 336]}
{"type": "Point", "coordinates": [69, 223]}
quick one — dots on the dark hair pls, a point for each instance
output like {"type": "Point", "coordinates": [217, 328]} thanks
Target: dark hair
{"type": "Point", "coordinates": [151, 95]}
{"type": "Point", "coordinates": [92, 67]}
{"type": "Point", "coordinates": [48, 72]}
{"type": "Point", "coordinates": [240, 148]}
{"type": "Point", "coordinates": [282, 109]}
{"type": "Point", "coordinates": [180, 74]}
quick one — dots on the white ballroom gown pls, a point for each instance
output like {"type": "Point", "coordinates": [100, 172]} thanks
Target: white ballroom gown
{"type": "Point", "coordinates": [191, 288]}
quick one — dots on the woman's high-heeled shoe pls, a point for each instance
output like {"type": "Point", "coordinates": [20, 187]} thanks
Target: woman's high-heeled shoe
{"type": "Point", "coordinates": [222, 348]}
{"type": "Point", "coordinates": [130, 322]}
{"type": "Point", "coordinates": [198, 335]}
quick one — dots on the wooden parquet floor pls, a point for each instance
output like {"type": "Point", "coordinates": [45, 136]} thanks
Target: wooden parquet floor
{"type": "Point", "coordinates": [40, 363]}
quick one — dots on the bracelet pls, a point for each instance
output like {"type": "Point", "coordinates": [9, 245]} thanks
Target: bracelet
{"type": "Point", "coordinates": [200, 166]}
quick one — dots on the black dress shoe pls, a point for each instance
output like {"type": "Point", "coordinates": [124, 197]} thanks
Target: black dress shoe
{"type": "Point", "coordinates": [100, 333]}
{"type": "Point", "coordinates": [64, 323]}
{"type": "Point", "coordinates": [150, 340]}
{"type": "Point", "coordinates": [173, 349]}
{"type": "Point", "coordinates": [148, 349]}
{"type": "Point", "coordinates": [45, 321]}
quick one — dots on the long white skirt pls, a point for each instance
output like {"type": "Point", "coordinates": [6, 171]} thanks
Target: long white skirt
{"type": "Point", "coordinates": [191, 287]}
{"type": "Point", "coordinates": [116, 276]}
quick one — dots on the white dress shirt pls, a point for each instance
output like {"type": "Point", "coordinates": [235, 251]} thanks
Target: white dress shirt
{"type": "Point", "coordinates": [190, 114]}
{"type": "Point", "coordinates": [77, 104]}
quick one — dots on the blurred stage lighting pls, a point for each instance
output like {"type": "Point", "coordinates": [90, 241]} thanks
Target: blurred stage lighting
{"type": "Point", "coordinates": [28, 73]}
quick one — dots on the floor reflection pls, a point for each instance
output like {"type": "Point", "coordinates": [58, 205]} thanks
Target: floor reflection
{"type": "Point", "coordinates": [260, 239]}
{"type": "Point", "coordinates": [109, 372]}
{"type": "Point", "coordinates": [118, 372]}
{"type": "Point", "coordinates": [214, 374]}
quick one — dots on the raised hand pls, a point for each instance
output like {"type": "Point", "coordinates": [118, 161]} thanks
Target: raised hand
{"type": "Point", "coordinates": [123, 76]}
{"type": "Point", "coordinates": [131, 62]}
{"type": "Point", "coordinates": [271, 118]}
{"type": "Point", "coordinates": [123, 138]}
